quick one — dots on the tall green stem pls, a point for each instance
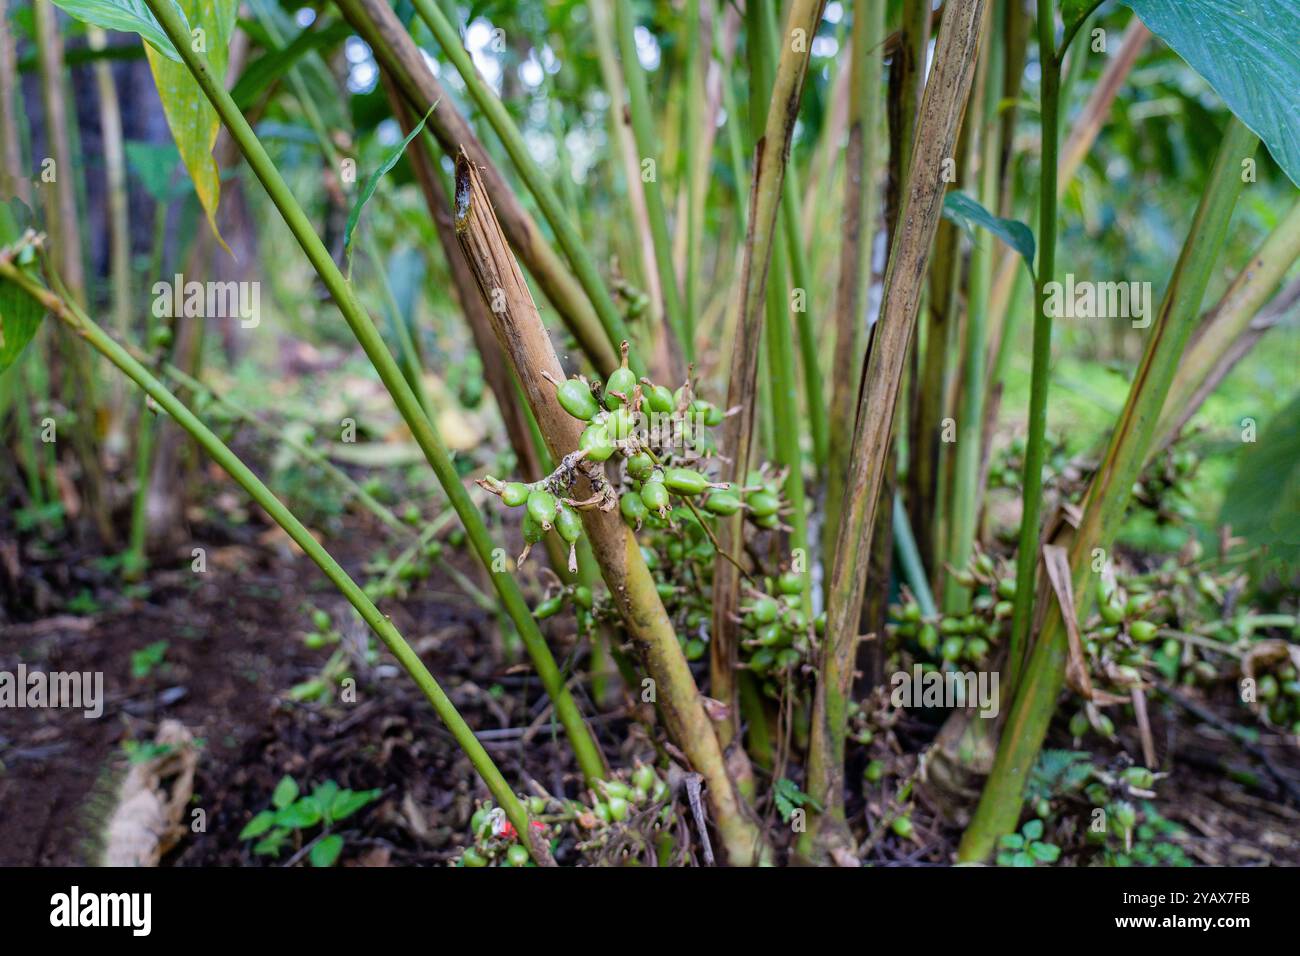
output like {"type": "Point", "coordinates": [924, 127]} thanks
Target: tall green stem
{"type": "Point", "coordinates": [1031, 515]}
{"type": "Point", "coordinates": [862, 168]}
{"type": "Point", "coordinates": [647, 145]}
{"type": "Point", "coordinates": [802, 280]}
{"type": "Point", "coordinates": [970, 424]}
{"type": "Point", "coordinates": [1108, 496]}
{"type": "Point", "coordinates": [693, 167]}
{"type": "Point", "coordinates": [783, 393]}
{"type": "Point", "coordinates": [372, 343]}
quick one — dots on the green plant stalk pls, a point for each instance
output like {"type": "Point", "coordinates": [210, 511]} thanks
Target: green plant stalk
{"type": "Point", "coordinates": [11, 153]}
{"type": "Point", "coordinates": [735, 149]}
{"type": "Point", "coordinates": [61, 202]}
{"type": "Point", "coordinates": [1108, 496]}
{"type": "Point", "coordinates": [1040, 374]}
{"type": "Point", "coordinates": [555, 120]}
{"type": "Point", "coordinates": [693, 166]}
{"type": "Point", "coordinates": [63, 224]}
{"type": "Point", "coordinates": [758, 736]}
{"type": "Point", "coordinates": [666, 360]}
{"type": "Point", "coordinates": [783, 391]}
{"type": "Point", "coordinates": [924, 383]}
{"type": "Point", "coordinates": [970, 421]}
{"type": "Point", "coordinates": [647, 145]}
{"type": "Point", "coordinates": [40, 384]}
{"type": "Point", "coordinates": [921, 206]}
{"type": "Point", "coordinates": [27, 434]}
{"type": "Point", "coordinates": [801, 272]}
{"type": "Point", "coordinates": [863, 167]}
{"type": "Point", "coordinates": [909, 556]}
{"type": "Point", "coordinates": [422, 429]}
{"type": "Point", "coordinates": [772, 153]}
{"type": "Point", "coordinates": [1227, 322]}
{"type": "Point", "coordinates": [1004, 297]}
{"type": "Point", "coordinates": [798, 258]}
{"type": "Point", "coordinates": [785, 406]}
{"type": "Point", "coordinates": [566, 233]}
{"type": "Point", "coordinates": [71, 314]}
{"type": "Point", "coordinates": [135, 560]}
{"type": "Point", "coordinates": [136, 556]}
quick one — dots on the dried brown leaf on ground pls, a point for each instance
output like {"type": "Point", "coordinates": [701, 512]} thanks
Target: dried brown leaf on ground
{"type": "Point", "coordinates": [146, 821]}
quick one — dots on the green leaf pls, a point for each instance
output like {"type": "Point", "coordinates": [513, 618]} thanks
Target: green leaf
{"type": "Point", "coordinates": [324, 795]}
{"type": "Point", "coordinates": [1249, 51]}
{"type": "Point", "coordinates": [278, 60]}
{"type": "Point", "coordinates": [272, 843]}
{"type": "Point", "coordinates": [1262, 503]}
{"type": "Point", "coordinates": [20, 317]}
{"type": "Point", "coordinates": [1012, 841]}
{"type": "Point", "coordinates": [191, 118]}
{"type": "Point", "coordinates": [1022, 859]}
{"type": "Point", "coordinates": [1045, 852]}
{"type": "Point", "coordinates": [1032, 830]}
{"type": "Point", "coordinates": [286, 792]}
{"type": "Point", "coordinates": [326, 851]}
{"type": "Point", "coordinates": [20, 314]}
{"type": "Point", "coordinates": [258, 825]}
{"type": "Point", "coordinates": [965, 211]}
{"type": "Point", "coordinates": [127, 16]}
{"type": "Point", "coordinates": [302, 813]}
{"type": "Point", "coordinates": [348, 803]}
{"type": "Point", "coordinates": [1074, 12]}
{"type": "Point", "coordinates": [372, 183]}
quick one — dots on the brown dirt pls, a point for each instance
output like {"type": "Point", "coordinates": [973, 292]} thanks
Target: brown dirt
{"type": "Point", "coordinates": [234, 649]}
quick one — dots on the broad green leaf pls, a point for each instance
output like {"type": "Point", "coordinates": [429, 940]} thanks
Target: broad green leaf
{"type": "Point", "coordinates": [258, 825]}
{"type": "Point", "coordinates": [1012, 841]}
{"type": "Point", "coordinates": [127, 16]}
{"type": "Point", "coordinates": [372, 183]}
{"type": "Point", "coordinates": [20, 317]}
{"type": "Point", "coordinates": [20, 314]}
{"type": "Point", "coordinates": [1045, 852]}
{"type": "Point", "coordinates": [1249, 51]}
{"type": "Point", "coordinates": [302, 813]}
{"type": "Point", "coordinates": [286, 792]}
{"type": "Point", "coordinates": [326, 851]}
{"type": "Point", "coordinates": [1033, 829]}
{"type": "Point", "coordinates": [1262, 504]}
{"type": "Point", "coordinates": [191, 118]}
{"type": "Point", "coordinates": [965, 211]}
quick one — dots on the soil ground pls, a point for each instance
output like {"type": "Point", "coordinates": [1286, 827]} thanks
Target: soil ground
{"type": "Point", "coordinates": [234, 649]}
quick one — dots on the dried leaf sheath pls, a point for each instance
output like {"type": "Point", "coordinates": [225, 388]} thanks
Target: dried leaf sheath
{"type": "Point", "coordinates": [937, 126]}
{"type": "Point", "coordinates": [396, 52]}
{"type": "Point", "coordinates": [519, 329]}
{"type": "Point", "coordinates": [771, 156]}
